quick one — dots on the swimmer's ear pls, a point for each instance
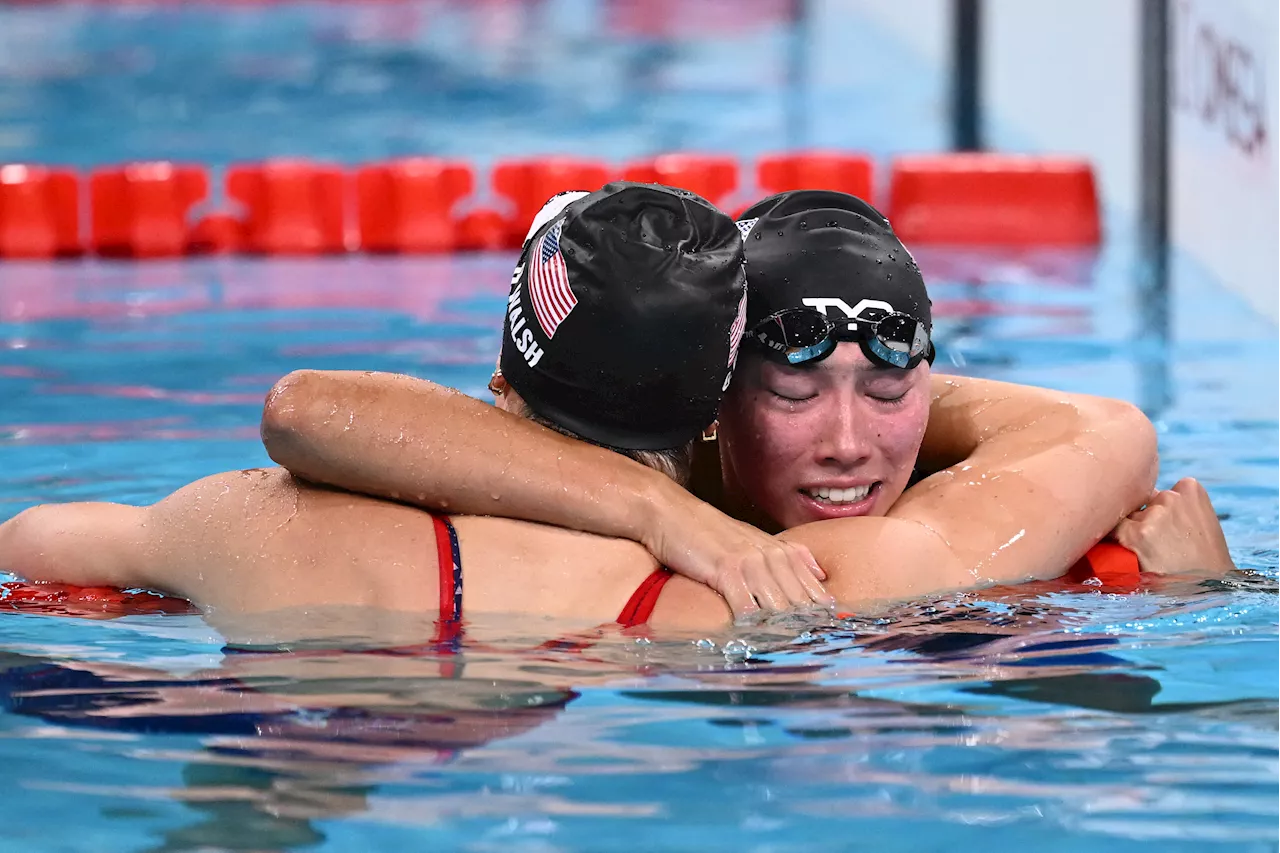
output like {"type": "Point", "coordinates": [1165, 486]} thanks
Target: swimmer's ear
{"type": "Point", "coordinates": [498, 383]}
{"type": "Point", "coordinates": [711, 433]}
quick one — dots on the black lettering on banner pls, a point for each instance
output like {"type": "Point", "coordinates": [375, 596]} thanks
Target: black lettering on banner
{"type": "Point", "coordinates": [1219, 80]}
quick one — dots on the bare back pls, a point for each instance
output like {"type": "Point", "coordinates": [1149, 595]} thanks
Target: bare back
{"type": "Point", "coordinates": [260, 540]}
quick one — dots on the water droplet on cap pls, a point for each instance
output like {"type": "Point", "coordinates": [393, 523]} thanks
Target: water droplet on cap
{"type": "Point", "coordinates": [804, 226]}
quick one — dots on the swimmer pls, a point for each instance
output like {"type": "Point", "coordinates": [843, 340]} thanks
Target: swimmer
{"type": "Point", "coordinates": [832, 411]}
{"type": "Point", "coordinates": [633, 300]}
{"type": "Point", "coordinates": [612, 270]}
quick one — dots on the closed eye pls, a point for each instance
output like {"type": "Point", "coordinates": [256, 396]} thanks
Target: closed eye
{"type": "Point", "coordinates": [792, 397]}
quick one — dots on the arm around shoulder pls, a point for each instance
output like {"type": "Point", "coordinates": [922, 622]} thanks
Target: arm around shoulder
{"type": "Point", "coordinates": [1046, 475]}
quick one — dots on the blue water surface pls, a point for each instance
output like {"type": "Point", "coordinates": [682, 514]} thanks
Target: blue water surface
{"type": "Point", "coordinates": [1043, 717]}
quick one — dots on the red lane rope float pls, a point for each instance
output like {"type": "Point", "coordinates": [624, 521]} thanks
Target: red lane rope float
{"type": "Point", "coordinates": [831, 170]}
{"type": "Point", "coordinates": [407, 205]}
{"type": "Point", "coordinates": [994, 199]}
{"type": "Point", "coordinates": [39, 212]}
{"type": "Point", "coordinates": [140, 210]}
{"type": "Point", "coordinates": [293, 207]}
{"type": "Point", "coordinates": [143, 210]}
{"type": "Point", "coordinates": [527, 184]}
{"type": "Point", "coordinates": [712, 176]}
{"type": "Point", "coordinates": [58, 599]}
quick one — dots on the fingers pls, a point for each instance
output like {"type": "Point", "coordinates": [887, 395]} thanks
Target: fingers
{"type": "Point", "coordinates": [1136, 530]}
{"type": "Point", "coordinates": [1190, 487]}
{"type": "Point", "coordinates": [783, 577]}
{"type": "Point", "coordinates": [738, 596]}
{"type": "Point", "coordinates": [777, 578]}
{"type": "Point", "coordinates": [1124, 533]}
{"type": "Point", "coordinates": [810, 575]}
{"type": "Point", "coordinates": [798, 576]}
{"type": "Point", "coordinates": [805, 556]}
{"type": "Point", "coordinates": [761, 581]}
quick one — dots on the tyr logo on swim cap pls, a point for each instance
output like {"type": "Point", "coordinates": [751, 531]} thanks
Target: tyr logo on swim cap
{"type": "Point", "coordinates": [832, 252]}
{"type": "Point", "coordinates": [620, 323]}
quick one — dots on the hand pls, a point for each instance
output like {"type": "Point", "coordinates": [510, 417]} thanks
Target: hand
{"type": "Point", "coordinates": [1177, 532]}
{"type": "Point", "coordinates": [757, 574]}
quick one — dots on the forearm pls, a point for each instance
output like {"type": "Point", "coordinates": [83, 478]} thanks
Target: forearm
{"type": "Point", "coordinates": [411, 440]}
{"type": "Point", "coordinates": [1049, 474]}
{"type": "Point", "coordinates": [83, 544]}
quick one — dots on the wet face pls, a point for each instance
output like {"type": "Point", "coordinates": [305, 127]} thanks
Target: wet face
{"type": "Point", "coordinates": [834, 439]}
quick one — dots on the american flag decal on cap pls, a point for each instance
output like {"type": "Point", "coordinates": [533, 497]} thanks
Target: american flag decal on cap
{"type": "Point", "coordinates": [735, 331]}
{"type": "Point", "coordinates": [735, 338]}
{"type": "Point", "coordinates": [549, 289]}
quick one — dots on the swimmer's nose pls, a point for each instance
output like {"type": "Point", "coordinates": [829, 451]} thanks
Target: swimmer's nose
{"type": "Point", "coordinates": [847, 437]}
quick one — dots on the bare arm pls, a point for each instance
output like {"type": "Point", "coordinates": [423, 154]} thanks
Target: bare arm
{"type": "Point", "coordinates": [407, 439]}
{"type": "Point", "coordinates": [85, 544]}
{"type": "Point", "coordinates": [1042, 476]}
{"type": "Point", "coordinates": [410, 440]}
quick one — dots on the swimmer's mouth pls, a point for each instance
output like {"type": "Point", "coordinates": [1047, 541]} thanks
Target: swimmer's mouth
{"type": "Point", "coordinates": [839, 497]}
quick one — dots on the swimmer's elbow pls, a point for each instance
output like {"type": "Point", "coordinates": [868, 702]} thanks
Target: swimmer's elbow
{"type": "Point", "coordinates": [285, 414]}
{"type": "Point", "coordinates": [1131, 436]}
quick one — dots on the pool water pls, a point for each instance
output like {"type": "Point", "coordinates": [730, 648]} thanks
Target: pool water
{"type": "Point", "coordinates": [1048, 717]}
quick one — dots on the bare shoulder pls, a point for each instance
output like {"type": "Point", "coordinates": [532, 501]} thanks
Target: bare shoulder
{"type": "Point", "coordinates": [261, 539]}
{"type": "Point", "coordinates": [879, 559]}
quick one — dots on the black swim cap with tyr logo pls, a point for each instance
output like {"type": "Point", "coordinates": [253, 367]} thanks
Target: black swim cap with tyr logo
{"type": "Point", "coordinates": [625, 313]}
{"type": "Point", "coordinates": [825, 266]}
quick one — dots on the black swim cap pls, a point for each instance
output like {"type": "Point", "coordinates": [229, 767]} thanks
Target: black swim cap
{"type": "Point", "coordinates": [625, 313]}
{"type": "Point", "coordinates": [830, 251]}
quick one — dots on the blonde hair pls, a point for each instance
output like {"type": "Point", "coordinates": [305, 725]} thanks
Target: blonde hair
{"type": "Point", "coordinates": [674, 462]}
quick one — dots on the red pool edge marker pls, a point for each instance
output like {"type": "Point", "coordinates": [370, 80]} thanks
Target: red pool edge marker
{"type": "Point", "coordinates": [994, 200]}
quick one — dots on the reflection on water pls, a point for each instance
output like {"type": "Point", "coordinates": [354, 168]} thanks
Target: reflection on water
{"type": "Point", "coordinates": [1024, 706]}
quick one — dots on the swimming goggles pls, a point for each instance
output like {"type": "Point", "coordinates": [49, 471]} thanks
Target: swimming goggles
{"type": "Point", "coordinates": [804, 335]}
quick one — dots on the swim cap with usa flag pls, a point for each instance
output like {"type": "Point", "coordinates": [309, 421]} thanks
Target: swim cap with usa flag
{"type": "Point", "coordinates": [832, 252]}
{"type": "Point", "coordinates": [625, 313]}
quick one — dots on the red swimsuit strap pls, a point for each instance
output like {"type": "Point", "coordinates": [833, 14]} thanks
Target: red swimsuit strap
{"type": "Point", "coordinates": [449, 561]}
{"type": "Point", "coordinates": [640, 606]}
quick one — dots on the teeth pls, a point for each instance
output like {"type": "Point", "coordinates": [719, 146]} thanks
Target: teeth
{"type": "Point", "coordinates": [839, 496]}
